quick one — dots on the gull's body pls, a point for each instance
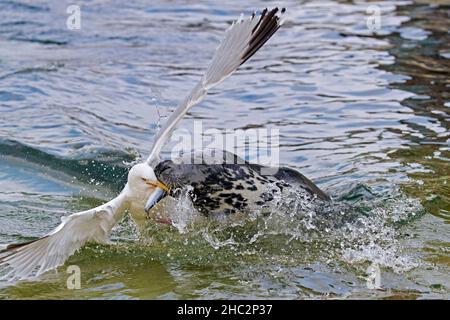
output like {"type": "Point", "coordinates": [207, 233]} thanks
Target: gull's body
{"type": "Point", "coordinates": [146, 186]}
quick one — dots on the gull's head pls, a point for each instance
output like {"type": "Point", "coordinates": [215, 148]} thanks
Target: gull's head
{"type": "Point", "coordinates": [141, 176]}
{"type": "Point", "coordinates": [144, 183]}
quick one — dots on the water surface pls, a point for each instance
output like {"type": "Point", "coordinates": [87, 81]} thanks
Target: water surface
{"type": "Point", "coordinates": [364, 114]}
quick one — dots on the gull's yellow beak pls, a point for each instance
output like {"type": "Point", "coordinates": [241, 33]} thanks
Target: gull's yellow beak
{"type": "Point", "coordinates": [157, 184]}
{"type": "Point", "coordinates": [159, 193]}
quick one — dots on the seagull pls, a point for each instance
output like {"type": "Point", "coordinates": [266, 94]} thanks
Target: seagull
{"type": "Point", "coordinates": [220, 188]}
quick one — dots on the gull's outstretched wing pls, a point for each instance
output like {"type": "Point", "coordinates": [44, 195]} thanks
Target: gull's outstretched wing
{"type": "Point", "coordinates": [31, 259]}
{"type": "Point", "coordinates": [242, 39]}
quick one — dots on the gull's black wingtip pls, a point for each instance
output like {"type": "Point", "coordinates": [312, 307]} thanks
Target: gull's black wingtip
{"type": "Point", "coordinates": [269, 22]}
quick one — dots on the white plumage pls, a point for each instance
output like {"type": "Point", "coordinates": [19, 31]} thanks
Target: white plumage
{"type": "Point", "coordinates": [34, 258]}
{"type": "Point", "coordinates": [236, 47]}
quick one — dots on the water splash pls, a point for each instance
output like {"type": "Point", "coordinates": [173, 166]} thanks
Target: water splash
{"type": "Point", "coordinates": [364, 228]}
{"type": "Point", "coordinates": [374, 238]}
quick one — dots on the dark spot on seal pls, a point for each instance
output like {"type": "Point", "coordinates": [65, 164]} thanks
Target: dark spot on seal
{"type": "Point", "coordinates": [266, 196]}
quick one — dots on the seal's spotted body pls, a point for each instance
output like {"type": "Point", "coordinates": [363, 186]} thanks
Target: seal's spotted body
{"type": "Point", "coordinates": [233, 187]}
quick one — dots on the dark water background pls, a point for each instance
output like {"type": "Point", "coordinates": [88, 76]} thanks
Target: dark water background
{"type": "Point", "coordinates": [364, 114]}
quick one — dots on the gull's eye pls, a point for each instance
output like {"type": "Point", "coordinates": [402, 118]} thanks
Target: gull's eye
{"type": "Point", "coordinates": [143, 179]}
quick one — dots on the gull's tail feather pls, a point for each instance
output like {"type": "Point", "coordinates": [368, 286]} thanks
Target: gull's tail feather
{"type": "Point", "coordinates": [242, 40]}
{"type": "Point", "coordinates": [33, 258]}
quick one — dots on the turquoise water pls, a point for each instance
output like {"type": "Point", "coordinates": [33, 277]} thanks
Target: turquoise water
{"type": "Point", "coordinates": [363, 114]}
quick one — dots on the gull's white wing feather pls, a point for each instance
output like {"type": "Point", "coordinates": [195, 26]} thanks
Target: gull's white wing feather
{"type": "Point", "coordinates": [31, 259]}
{"type": "Point", "coordinates": [242, 40]}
